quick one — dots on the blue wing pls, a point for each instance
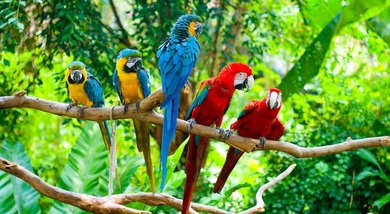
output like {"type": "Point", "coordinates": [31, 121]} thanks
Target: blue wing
{"type": "Point", "coordinates": [199, 98]}
{"type": "Point", "coordinates": [117, 84]}
{"type": "Point", "coordinates": [144, 82]}
{"type": "Point", "coordinates": [176, 60]}
{"type": "Point", "coordinates": [93, 89]}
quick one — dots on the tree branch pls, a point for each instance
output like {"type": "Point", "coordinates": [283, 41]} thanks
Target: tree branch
{"type": "Point", "coordinates": [260, 205]}
{"type": "Point", "coordinates": [120, 25]}
{"type": "Point", "coordinates": [115, 203]}
{"type": "Point", "coordinates": [85, 202]}
{"type": "Point", "coordinates": [146, 114]}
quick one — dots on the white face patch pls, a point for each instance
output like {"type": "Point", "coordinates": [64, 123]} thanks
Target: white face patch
{"type": "Point", "coordinates": [273, 100]}
{"type": "Point", "coordinates": [240, 78]}
{"type": "Point", "coordinates": [130, 64]}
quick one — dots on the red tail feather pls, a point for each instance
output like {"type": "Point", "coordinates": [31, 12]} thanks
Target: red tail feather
{"type": "Point", "coordinates": [230, 163]}
{"type": "Point", "coordinates": [195, 156]}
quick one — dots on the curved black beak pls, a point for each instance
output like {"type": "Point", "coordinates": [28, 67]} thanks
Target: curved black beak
{"type": "Point", "coordinates": [246, 85]}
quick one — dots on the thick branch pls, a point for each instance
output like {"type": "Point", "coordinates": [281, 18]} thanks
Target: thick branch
{"type": "Point", "coordinates": [93, 204]}
{"type": "Point", "coordinates": [146, 114]}
{"type": "Point", "coordinates": [85, 202]}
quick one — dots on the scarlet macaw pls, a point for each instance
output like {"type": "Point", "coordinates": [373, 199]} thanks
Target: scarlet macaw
{"type": "Point", "coordinates": [86, 89]}
{"type": "Point", "coordinates": [132, 84]}
{"type": "Point", "coordinates": [177, 56]}
{"type": "Point", "coordinates": [257, 120]}
{"type": "Point", "coordinates": [210, 104]}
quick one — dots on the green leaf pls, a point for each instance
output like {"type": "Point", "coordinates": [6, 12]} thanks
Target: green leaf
{"type": "Point", "coordinates": [320, 13]}
{"type": "Point", "coordinates": [20, 25]}
{"type": "Point", "coordinates": [6, 62]}
{"type": "Point", "coordinates": [13, 19]}
{"type": "Point", "coordinates": [368, 156]}
{"type": "Point", "coordinates": [86, 163]}
{"type": "Point", "coordinates": [379, 24]}
{"type": "Point", "coordinates": [17, 196]}
{"type": "Point", "coordinates": [382, 201]}
{"type": "Point", "coordinates": [365, 174]}
{"type": "Point", "coordinates": [359, 10]}
{"type": "Point", "coordinates": [172, 161]}
{"type": "Point", "coordinates": [309, 64]}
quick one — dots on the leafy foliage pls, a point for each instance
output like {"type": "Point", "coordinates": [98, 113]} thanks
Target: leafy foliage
{"type": "Point", "coordinates": [86, 163]}
{"type": "Point", "coordinates": [17, 196]}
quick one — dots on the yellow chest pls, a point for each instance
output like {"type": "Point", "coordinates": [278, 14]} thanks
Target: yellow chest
{"type": "Point", "coordinates": [130, 89]}
{"type": "Point", "coordinates": [77, 94]}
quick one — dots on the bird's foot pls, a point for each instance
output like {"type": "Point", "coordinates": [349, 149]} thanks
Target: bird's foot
{"type": "Point", "coordinates": [70, 106]}
{"type": "Point", "coordinates": [262, 141]}
{"type": "Point", "coordinates": [138, 104]}
{"type": "Point", "coordinates": [126, 106]}
{"type": "Point", "coordinates": [191, 124]}
{"type": "Point", "coordinates": [81, 110]}
{"type": "Point", "coordinates": [224, 134]}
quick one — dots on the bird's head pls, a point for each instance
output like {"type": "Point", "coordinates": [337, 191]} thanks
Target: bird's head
{"type": "Point", "coordinates": [237, 75]}
{"type": "Point", "coordinates": [76, 72]}
{"type": "Point", "coordinates": [273, 100]}
{"type": "Point", "coordinates": [130, 60]}
{"type": "Point", "coordinates": [187, 25]}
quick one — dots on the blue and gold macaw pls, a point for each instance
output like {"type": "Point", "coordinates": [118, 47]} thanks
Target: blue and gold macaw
{"type": "Point", "coordinates": [86, 89]}
{"type": "Point", "coordinates": [132, 84]}
{"type": "Point", "coordinates": [177, 56]}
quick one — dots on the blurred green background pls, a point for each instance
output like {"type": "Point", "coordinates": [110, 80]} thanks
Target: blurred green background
{"type": "Point", "coordinates": [329, 58]}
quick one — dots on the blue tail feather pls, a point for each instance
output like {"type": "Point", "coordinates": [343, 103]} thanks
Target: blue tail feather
{"type": "Point", "coordinates": [169, 129]}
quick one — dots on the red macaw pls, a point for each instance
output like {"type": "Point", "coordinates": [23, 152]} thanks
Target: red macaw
{"type": "Point", "coordinates": [257, 120]}
{"type": "Point", "coordinates": [210, 104]}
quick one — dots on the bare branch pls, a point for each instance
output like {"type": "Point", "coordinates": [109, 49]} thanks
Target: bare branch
{"type": "Point", "coordinates": [120, 25]}
{"type": "Point", "coordinates": [115, 203]}
{"type": "Point", "coordinates": [108, 204]}
{"type": "Point", "coordinates": [146, 114]}
{"type": "Point", "coordinates": [260, 205]}
{"type": "Point", "coordinates": [85, 202]}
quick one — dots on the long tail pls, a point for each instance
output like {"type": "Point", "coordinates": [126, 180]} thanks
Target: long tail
{"type": "Point", "coordinates": [195, 156]}
{"type": "Point", "coordinates": [169, 127]}
{"type": "Point", "coordinates": [107, 141]}
{"type": "Point", "coordinates": [105, 133]}
{"type": "Point", "coordinates": [232, 158]}
{"type": "Point", "coordinates": [142, 132]}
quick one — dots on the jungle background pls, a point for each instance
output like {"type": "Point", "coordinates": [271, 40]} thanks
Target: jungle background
{"type": "Point", "coordinates": [329, 58]}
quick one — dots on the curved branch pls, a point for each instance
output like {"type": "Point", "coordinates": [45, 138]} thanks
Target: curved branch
{"type": "Point", "coordinates": [260, 205]}
{"type": "Point", "coordinates": [85, 202]}
{"type": "Point", "coordinates": [146, 114]}
{"type": "Point", "coordinates": [108, 204]}
{"type": "Point", "coordinates": [115, 203]}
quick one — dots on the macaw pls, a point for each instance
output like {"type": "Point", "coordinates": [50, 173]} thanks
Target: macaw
{"type": "Point", "coordinates": [86, 89]}
{"type": "Point", "coordinates": [259, 120]}
{"type": "Point", "coordinates": [210, 104]}
{"type": "Point", "coordinates": [131, 82]}
{"type": "Point", "coordinates": [177, 56]}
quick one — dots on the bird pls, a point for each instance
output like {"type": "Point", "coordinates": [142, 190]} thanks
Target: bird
{"type": "Point", "coordinates": [84, 88]}
{"type": "Point", "coordinates": [177, 57]}
{"type": "Point", "coordinates": [258, 120]}
{"type": "Point", "coordinates": [208, 108]}
{"type": "Point", "coordinates": [132, 84]}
